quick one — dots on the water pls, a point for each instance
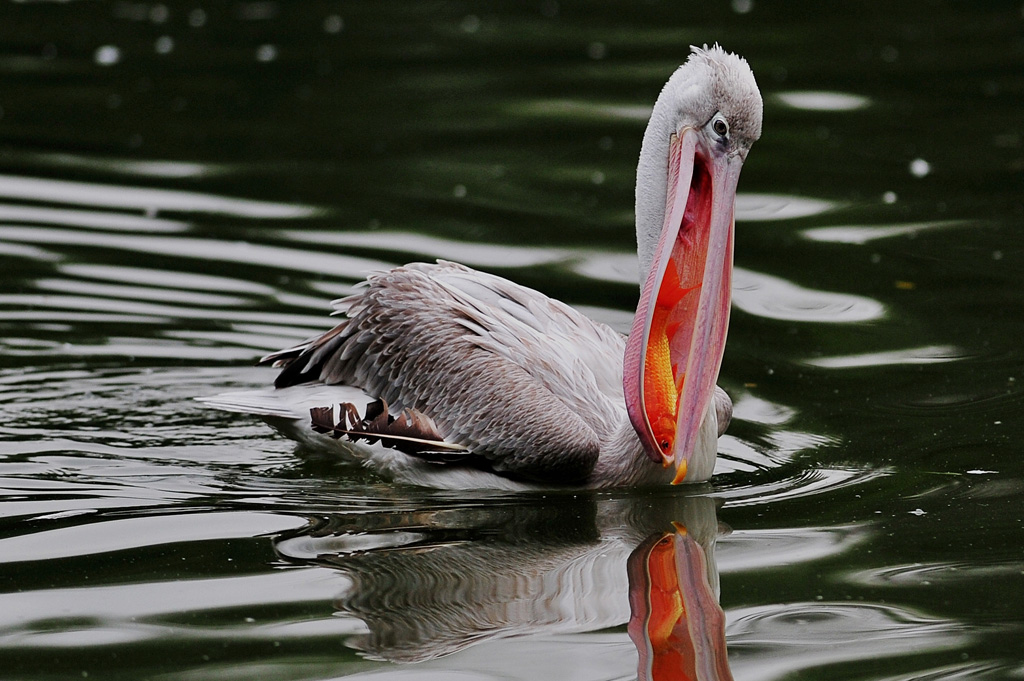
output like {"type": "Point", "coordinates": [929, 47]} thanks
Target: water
{"type": "Point", "coordinates": [184, 187]}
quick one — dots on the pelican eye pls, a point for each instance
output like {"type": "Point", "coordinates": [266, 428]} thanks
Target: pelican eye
{"type": "Point", "coordinates": [720, 126]}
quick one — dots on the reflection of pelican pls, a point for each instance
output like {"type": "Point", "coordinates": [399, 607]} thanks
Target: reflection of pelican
{"type": "Point", "coordinates": [504, 384]}
{"type": "Point", "coordinates": [432, 582]}
{"type": "Point", "coordinates": [676, 622]}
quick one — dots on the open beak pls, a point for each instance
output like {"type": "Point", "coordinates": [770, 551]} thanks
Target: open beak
{"type": "Point", "coordinates": [675, 349]}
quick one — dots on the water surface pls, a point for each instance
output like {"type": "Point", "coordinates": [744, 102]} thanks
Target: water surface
{"type": "Point", "coordinates": [184, 187]}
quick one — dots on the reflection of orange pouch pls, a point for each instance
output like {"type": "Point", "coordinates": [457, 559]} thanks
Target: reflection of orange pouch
{"type": "Point", "coordinates": [675, 621]}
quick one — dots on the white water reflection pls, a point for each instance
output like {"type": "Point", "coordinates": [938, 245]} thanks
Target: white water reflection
{"type": "Point", "coordinates": [751, 550]}
{"type": "Point", "coordinates": [935, 574]}
{"type": "Point", "coordinates": [619, 268]}
{"type": "Point", "coordinates": [29, 302]}
{"type": "Point", "coordinates": [805, 483]}
{"type": "Point", "coordinates": [788, 443]}
{"type": "Point", "coordinates": [29, 253]}
{"type": "Point", "coordinates": [960, 671]}
{"type": "Point", "coordinates": [164, 278]}
{"type": "Point", "coordinates": [778, 641]}
{"type": "Point", "coordinates": [931, 354]}
{"type": "Point", "coordinates": [133, 350]}
{"type": "Point", "coordinates": [862, 234]}
{"type": "Point", "coordinates": [146, 199]}
{"type": "Point", "coordinates": [821, 100]}
{"type": "Point", "coordinates": [21, 612]}
{"type": "Point", "coordinates": [422, 246]}
{"type": "Point", "coordinates": [739, 456]}
{"type": "Point", "coordinates": [578, 109]}
{"type": "Point", "coordinates": [105, 220]}
{"type": "Point", "coordinates": [748, 407]}
{"type": "Point", "coordinates": [147, 293]}
{"type": "Point", "coordinates": [776, 448]}
{"type": "Point", "coordinates": [123, 166]}
{"type": "Point", "coordinates": [767, 296]}
{"type": "Point", "coordinates": [767, 207]}
{"type": "Point", "coordinates": [203, 250]}
{"type": "Point", "coordinates": [121, 534]}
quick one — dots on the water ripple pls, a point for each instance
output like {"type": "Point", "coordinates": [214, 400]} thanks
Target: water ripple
{"type": "Point", "coordinates": [125, 166]}
{"type": "Point", "coordinates": [147, 199]}
{"type": "Point", "coordinates": [966, 671]}
{"type": "Point", "coordinates": [421, 246]}
{"type": "Point", "coordinates": [822, 100]}
{"type": "Point", "coordinates": [862, 234]}
{"type": "Point", "coordinates": [770, 207]}
{"type": "Point", "coordinates": [189, 296]}
{"type": "Point", "coordinates": [745, 550]}
{"type": "Point", "coordinates": [619, 268]}
{"type": "Point", "coordinates": [748, 407]}
{"type": "Point", "coordinates": [805, 483]}
{"type": "Point", "coordinates": [768, 296]}
{"type": "Point", "coordinates": [124, 607]}
{"type": "Point", "coordinates": [161, 312]}
{"type": "Point", "coordinates": [579, 109]}
{"type": "Point", "coordinates": [29, 253]}
{"type": "Point", "coordinates": [203, 250]}
{"type": "Point", "coordinates": [129, 533]}
{"type": "Point", "coordinates": [165, 278]}
{"type": "Point", "coordinates": [931, 574]}
{"type": "Point", "coordinates": [105, 220]}
{"type": "Point", "coordinates": [777, 641]}
{"type": "Point", "coordinates": [930, 354]}
{"type": "Point", "coordinates": [776, 448]}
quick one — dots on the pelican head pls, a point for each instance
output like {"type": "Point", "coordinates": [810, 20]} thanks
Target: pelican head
{"type": "Point", "coordinates": [704, 122]}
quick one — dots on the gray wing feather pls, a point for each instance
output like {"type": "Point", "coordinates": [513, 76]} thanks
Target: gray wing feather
{"type": "Point", "coordinates": [525, 381]}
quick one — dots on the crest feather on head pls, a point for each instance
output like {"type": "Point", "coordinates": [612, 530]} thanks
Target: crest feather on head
{"type": "Point", "coordinates": [730, 88]}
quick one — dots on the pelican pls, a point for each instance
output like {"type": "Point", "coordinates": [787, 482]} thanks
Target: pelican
{"type": "Point", "coordinates": [475, 381]}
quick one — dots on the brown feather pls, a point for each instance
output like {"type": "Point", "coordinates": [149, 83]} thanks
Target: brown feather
{"type": "Point", "coordinates": [410, 432]}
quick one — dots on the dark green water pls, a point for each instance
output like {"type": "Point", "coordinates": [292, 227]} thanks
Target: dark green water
{"type": "Point", "coordinates": [184, 186]}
